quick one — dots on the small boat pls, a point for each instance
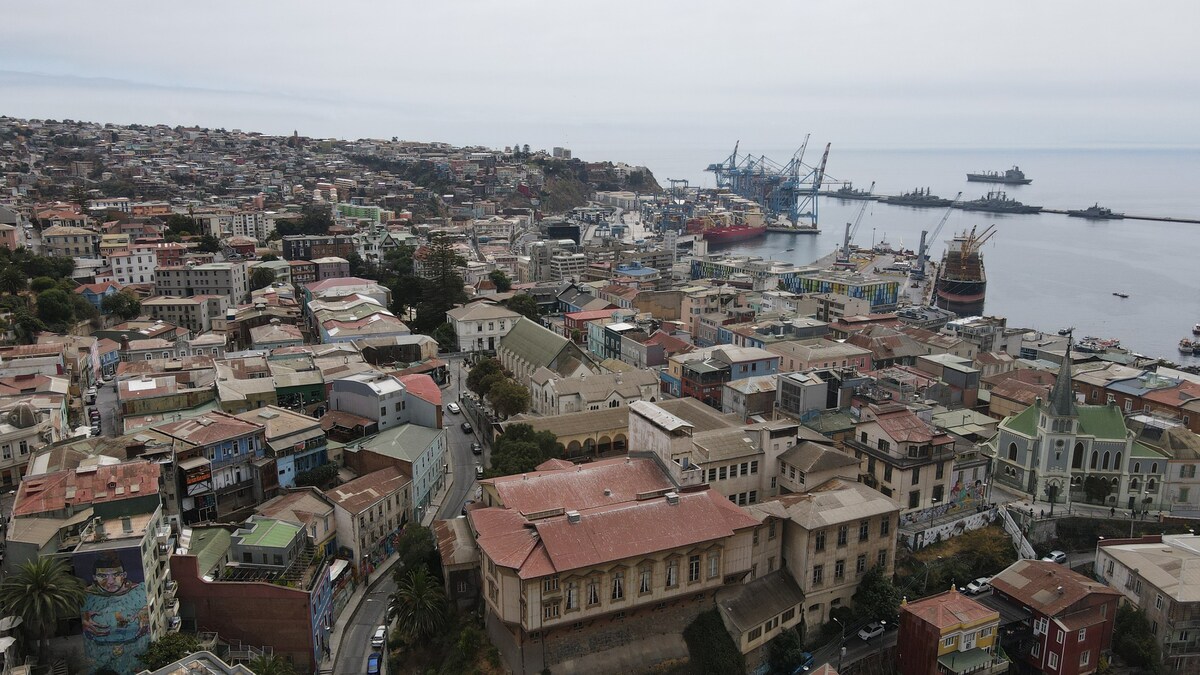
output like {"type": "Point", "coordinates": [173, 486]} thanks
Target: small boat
{"type": "Point", "coordinates": [789, 249]}
{"type": "Point", "coordinates": [1121, 295]}
{"type": "Point", "coordinates": [1065, 332]}
{"type": "Point", "coordinates": [1196, 329]}
{"type": "Point", "coordinates": [1186, 346]}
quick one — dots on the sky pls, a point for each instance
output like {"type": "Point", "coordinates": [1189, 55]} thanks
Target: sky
{"type": "Point", "coordinates": [622, 80]}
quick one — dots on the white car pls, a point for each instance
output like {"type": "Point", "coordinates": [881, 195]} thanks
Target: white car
{"type": "Point", "coordinates": [1056, 557]}
{"type": "Point", "coordinates": [453, 408]}
{"type": "Point", "coordinates": [873, 629]}
{"type": "Point", "coordinates": [980, 585]}
{"type": "Point", "coordinates": [379, 637]}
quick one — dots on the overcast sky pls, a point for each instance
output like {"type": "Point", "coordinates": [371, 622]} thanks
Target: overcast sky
{"type": "Point", "coordinates": [606, 77]}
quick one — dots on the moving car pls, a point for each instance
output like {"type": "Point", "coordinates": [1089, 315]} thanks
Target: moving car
{"type": "Point", "coordinates": [476, 449]}
{"type": "Point", "coordinates": [873, 629]}
{"type": "Point", "coordinates": [806, 663]}
{"type": "Point", "coordinates": [479, 471]}
{"type": "Point", "coordinates": [453, 407]}
{"type": "Point", "coordinates": [374, 663]}
{"type": "Point", "coordinates": [1056, 557]}
{"type": "Point", "coordinates": [379, 637]}
{"type": "Point", "coordinates": [466, 427]}
{"type": "Point", "coordinates": [979, 585]}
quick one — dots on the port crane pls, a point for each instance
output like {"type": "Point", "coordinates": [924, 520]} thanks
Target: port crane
{"type": "Point", "coordinates": [918, 271]}
{"type": "Point", "coordinates": [852, 230]}
{"type": "Point", "coordinates": [783, 190]}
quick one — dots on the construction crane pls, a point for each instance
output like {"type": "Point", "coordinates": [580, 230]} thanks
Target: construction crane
{"type": "Point", "coordinates": [918, 271]}
{"type": "Point", "coordinates": [852, 229]}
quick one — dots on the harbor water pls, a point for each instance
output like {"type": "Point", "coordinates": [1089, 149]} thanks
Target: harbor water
{"type": "Point", "coordinates": [1045, 271]}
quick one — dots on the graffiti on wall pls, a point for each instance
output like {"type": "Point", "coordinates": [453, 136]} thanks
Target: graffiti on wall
{"type": "Point", "coordinates": [116, 619]}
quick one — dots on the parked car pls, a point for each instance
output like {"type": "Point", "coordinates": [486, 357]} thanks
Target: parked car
{"type": "Point", "coordinates": [980, 585]}
{"type": "Point", "coordinates": [479, 471]}
{"type": "Point", "coordinates": [1056, 557]}
{"type": "Point", "coordinates": [94, 414]}
{"type": "Point", "coordinates": [373, 663]}
{"type": "Point", "coordinates": [379, 638]}
{"type": "Point", "coordinates": [453, 408]}
{"type": "Point", "coordinates": [466, 427]}
{"type": "Point", "coordinates": [89, 396]}
{"type": "Point", "coordinates": [476, 449]}
{"type": "Point", "coordinates": [873, 629]}
{"type": "Point", "coordinates": [806, 663]}
{"type": "Point", "coordinates": [96, 431]}
{"type": "Point", "coordinates": [464, 508]}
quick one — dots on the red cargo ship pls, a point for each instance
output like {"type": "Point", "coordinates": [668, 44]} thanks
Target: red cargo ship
{"type": "Point", "coordinates": [733, 233]}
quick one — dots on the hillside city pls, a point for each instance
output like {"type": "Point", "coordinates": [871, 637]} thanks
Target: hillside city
{"type": "Point", "coordinates": [281, 404]}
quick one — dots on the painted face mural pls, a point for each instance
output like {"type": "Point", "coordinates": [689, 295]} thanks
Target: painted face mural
{"type": "Point", "coordinates": [116, 620]}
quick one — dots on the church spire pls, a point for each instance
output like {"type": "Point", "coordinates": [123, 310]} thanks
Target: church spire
{"type": "Point", "coordinates": [1062, 398]}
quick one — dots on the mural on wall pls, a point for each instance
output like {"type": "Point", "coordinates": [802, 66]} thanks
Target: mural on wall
{"type": "Point", "coordinates": [116, 620]}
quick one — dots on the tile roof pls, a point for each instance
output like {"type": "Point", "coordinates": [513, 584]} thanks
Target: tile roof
{"type": "Point", "coordinates": [423, 387]}
{"type": "Point", "coordinates": [1048, 588]}
{"type": "Point", "coordinates": [949, 609]}
{"type": "Point", "coordinates": [359, 494]}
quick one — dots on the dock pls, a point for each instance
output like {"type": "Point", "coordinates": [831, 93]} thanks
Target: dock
{"type": "Point", "coordinates": [794, 230]}
{"type": "Point", "coordinates": [883, 199]}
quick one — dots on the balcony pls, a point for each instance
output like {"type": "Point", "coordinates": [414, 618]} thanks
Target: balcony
{"type": "Point", "coordinates": [170, 589]}
{"type": "Point", "coordinates": [173, 624]}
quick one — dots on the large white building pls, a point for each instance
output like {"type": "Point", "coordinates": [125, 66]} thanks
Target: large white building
{"type": "Point", "coordinates": [224, 278]}
{"type": "Point", "coordinates": [480, 325]}
{"type": "Point", "coordinates": [133, 266]}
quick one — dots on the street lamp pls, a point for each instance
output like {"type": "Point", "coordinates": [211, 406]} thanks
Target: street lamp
{"type": "Point", "coordinates": [842, 643]}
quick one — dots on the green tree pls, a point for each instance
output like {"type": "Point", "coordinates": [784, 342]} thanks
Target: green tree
{"type": "Point", "coordinates": [710, 649]}
{"type": "Point", "coordinates": [55, 309]}
{"type": "Point", "coordinates": [785, 653]}
{"type": "Point", "coordinates": [269, 257]}
{"type": "Point", "coordinates": [525, 305]}
{"type": "Point", "coordinates": [417, 549]}
{"type": "Point", "coordinates": [181, 225]}
{"type": "Point", "coordinates": [508, 398]}
{"type": "Point", "coordinates": [261, 277]}
{"type": "Point", "coordinates": [446, 339]}
{"type": "Point", "coordinates": [1133, 641]}
{"type": "Point", "coordinates": [420, 605]}
{"type": "Point", "coordinates": [876, 598]}
{"type": "Point", "coordinates": [12, 280]}
{"type": "Point", "coordinates": [321, 477]}
{"type": "Point", "coordinates": [503, 283]}
{"type": "Point", "coordinates": [209, 244]}
{"type": "Point", "coordinates": [444, 283]}
{"type": "Point", "coordinates": [42, 284]}
{"type": "Point", "coordinates": [40, 592]}
{"type": "Point", "coordinates": [168, 649]}
{"type": "Point", "coordinates": [520, 449]}
{"type": "Point", "coordinates": [269, 664]}
{"type": "Point", "coordinates": [124, 304]}
{"type": "Point", "coordinates": [481, 371]}
{"type": "Point", "coordinates": [26, 326]}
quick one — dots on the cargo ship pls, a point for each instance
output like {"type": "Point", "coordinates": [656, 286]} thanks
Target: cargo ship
{"type": "Point", "coordinates": [848, 191]}
{"type": "Point", "coordinates": [1096, 212]}
{"type": "Point", "coordinates": [1013, 176]}
{"type": "Point", "coordinates": [729, 234]}
{"type": "Point", "coordinates": [728, 227]}
{"type": "Point", "coordinates": [998, 202]}
{"type": "Point", "coordinates": [919, 197]}
{"type": "Point", "coordinates": [961, 283]}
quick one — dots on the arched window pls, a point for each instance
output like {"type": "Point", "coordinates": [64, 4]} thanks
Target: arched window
{"type": "Point", "coordinates": [1095, 458]}
{"type": "Point", "coordinates": [1105, 464]}
{"type": "Point", "coordinates": [1117, 462]}
{"type": "Point", "coordinates": [1137, 467]}
{"type": "Point", "coordinates": [1133, 483]}
{"type": "Point", "coordinates": [1116, 485]}
{"type": "Point", "coordinates": [1012, 452]}
{"type": "Point", "coordinates": [1150, 485]}
{"type": "Point", "coordinates": [1154, 468]}
{"type": "Point", "coordinates": [1077, 457]}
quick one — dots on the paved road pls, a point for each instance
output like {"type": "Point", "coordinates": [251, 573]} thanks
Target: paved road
{"type": "Point", "coordinates": [461, 460]}
{"type": "Point", "coordinates": [106, 401]}
{"type": "Point", "coordinates": [356, 645]}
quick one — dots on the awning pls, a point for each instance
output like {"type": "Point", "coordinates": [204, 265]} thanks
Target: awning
{"type": "Point", "coordinates": [965, 662]}
{"type": "Point", "coordinates": [193, 463]}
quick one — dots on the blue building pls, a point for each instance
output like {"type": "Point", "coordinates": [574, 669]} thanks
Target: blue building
{"type": "Point", "coordinates": [96, 293]}
{"type": "Point", "coordinates": [296, 441]}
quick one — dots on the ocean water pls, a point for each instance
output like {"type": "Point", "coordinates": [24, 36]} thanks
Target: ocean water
{"type": "Point", "coordinates": [1045, 271]}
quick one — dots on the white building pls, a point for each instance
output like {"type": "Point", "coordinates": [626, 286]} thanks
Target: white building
{"type": "Point", "coordinates": [227, 279]}
{"type": "Point", "coordinates": [372, 395]}
{"type": "Point", "coordinates": [480, 325]}
{"type": "Point", "coordinates": [133, 266]}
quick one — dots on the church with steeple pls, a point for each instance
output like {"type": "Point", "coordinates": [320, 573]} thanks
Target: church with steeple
{"type": "Point", "coordinates": [1061, 451]}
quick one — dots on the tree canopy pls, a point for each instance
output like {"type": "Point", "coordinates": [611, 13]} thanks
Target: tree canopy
{"type": "Point", "coordinates": [261, 277]}
{"type": "Point", "coordinates": [124, 304]}
{"type": "Point", "coordinates": [520, 449]}
{"type": "Point", "coordinates": [1133, 640]}
{"type": "Point", "coordinates": [508, 398]}
{"type": "Point", "coordinates": [525, 305]}
{"type": "Point", "coordinates": [313, 220]}
{"type": "Point", "coordinates": [877, 597]}
{"type": "Point", "coordinates": [503, 283]}
{"type": "Point", "coordinates": [480, 372]}
{"type": "Point", "coordinates": [168, 649]}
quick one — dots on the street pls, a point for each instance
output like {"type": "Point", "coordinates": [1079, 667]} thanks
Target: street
{"type": "Point", "coordinates": [356, 642]}
{"type": "Point", "coordinates": [106, 403]}
{"type": "Point", "coordinates": [462, 462]}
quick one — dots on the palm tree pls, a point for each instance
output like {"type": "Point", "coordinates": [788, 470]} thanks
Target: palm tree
{"type": "Point", "coordinates": [269, 664]}
{"type": "Point", "coordinates": [420, 605]}
{"type": "Point", "coordinates": [40, 592]}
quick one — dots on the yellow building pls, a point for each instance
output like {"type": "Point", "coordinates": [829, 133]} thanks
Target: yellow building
{"type": "Point", "coordinates": [949, 633]}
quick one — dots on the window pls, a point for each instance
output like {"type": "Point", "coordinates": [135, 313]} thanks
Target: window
{"type": "Point", "coordinates": [864, 530]}
{"type": "Point", "coordinates": [755, 542]}
{"type": "Point", "coordinates": [1154, 627]}
{"type": "Point", "coordinates": [882, 558]}
{"type": "Point", "coordinates": [1037, 650]}
{"type": "Point", "coordinates": [572, 596]}
{"type": "Point", "coordinates": [721, 472]}
{"type": "Point", "coordinates": [884, 445]}
{"type": "Point", "coordinates": [1157, 602]}
{"type": "Point", "coordinates": [940, 472]}
{"type": "Point", "coordinates": [771, 530]}
{"type": "Point", "coordinates": [593, 593]}
{"type": "Point", "coordinates": [550, 611]}
{"type": "Point", "coordinates": [693, 568]}
{"type": "Point", "coordinates": [860, 565]}
{"type": "Point", "coordinates": [1052, 660]}
{"type": "Point", "coordinates": [819, 539]}
{"type": "Point", "coordinates": [753, 466]}
{"type": "Point", "coordinates": [885, 526]}
{"type": "Point", "coordinates": [916, 475]}
{"type": "Point", "coordinates": [647, 578]}
{"type": "Point", "coordinates": [843, 534]}
{"type": "Point", "coordinates": [818, 574]}
{"type": "Point", "coordinates": [755, 633]}
{"type": "Point", "coordinates": [1059, 637]}
{"type": "Point", "coordinates": [1041, 626]}
{"type": "Point", "coordinates": [949, 642]}
{"type": "Point", "coordinates": [914, 499]}
{"type": "Point", "coordinates": [1082, 634]}
{"type": "Point", "coordinates": [550, 585]}
{"type": "Point", "coordinates": [1085, 658]}
{"type": "Point", "coordinates": [618, 586]}
{"type": "Point", "coordinates": [714, 565]}
{"type": "Point", "coordinates": [712, 475]}
{"type": "Point", "coordinates": [672, 573]}
{"type": "Point", "coordinates": [839, 570]}
{"type": "Point", "coordinates": [789, 614]}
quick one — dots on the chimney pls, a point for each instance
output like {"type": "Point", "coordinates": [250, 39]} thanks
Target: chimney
{"type": "Point", "coordinates": [573, 517]}
{"type": "Point", "coordinates": [124, 342]}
